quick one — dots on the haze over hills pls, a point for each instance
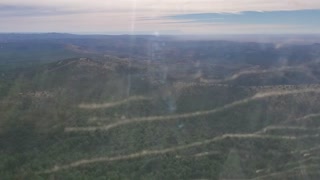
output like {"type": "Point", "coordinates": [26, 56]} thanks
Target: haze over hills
{"type": "Point", "coordinates": [152, 107]}
{"type": "Point", "coordinates": [53, 46]}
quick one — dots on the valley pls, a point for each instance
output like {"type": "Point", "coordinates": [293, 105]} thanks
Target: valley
{"type": "Point", "coordinates": [107, 108]}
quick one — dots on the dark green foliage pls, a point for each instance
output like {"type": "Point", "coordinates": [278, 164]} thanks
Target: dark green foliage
{"type": "Point", "coordinates": [38, 102]}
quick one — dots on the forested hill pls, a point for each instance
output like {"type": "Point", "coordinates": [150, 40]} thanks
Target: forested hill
{"type": "Point", "coordinates": [182, 110]}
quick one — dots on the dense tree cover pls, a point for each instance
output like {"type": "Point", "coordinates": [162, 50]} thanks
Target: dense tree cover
{"type": "Point", "coordinates": [198, 121]}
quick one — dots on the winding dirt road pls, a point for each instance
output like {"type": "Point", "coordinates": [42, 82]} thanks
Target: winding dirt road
{"type": "Point", "coordinates": [145, 153]}
{"type": "Point", "coordinates": [190, 115]}
{"type": "Point", "coordinates": [113, 104]}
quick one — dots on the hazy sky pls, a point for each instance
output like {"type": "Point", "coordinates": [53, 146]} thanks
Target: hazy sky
{"type": "Point", "coordinates": [161, 16]}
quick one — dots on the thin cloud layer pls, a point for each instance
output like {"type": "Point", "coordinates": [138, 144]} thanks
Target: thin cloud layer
{"type": "Point", "coordinates": [171, 5]}
{"type": "Point", "coordinates": [97, 16]}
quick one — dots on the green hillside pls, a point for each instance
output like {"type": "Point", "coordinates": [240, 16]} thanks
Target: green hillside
{"type": "Point", "coordinates": [118, 119]}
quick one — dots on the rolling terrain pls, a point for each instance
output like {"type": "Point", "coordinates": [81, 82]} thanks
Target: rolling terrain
{"type": "Point", "coordinates": [113, 109]}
